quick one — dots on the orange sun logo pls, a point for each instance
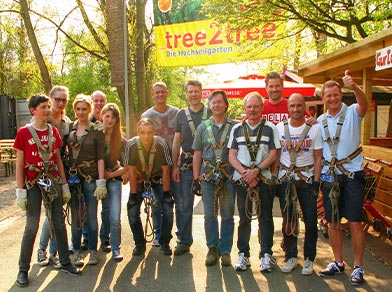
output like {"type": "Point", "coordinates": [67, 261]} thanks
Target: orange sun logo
{"type": "Point", "coordinates": [164, 5]}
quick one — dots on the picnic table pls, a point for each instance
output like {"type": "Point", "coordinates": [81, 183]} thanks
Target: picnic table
{"type": "Point", "coordinates": [7, 155]}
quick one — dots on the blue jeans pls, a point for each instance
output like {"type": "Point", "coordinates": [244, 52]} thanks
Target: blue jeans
{"type": "Point", "coordinates": [266, 223]}
{"type": "Point", "coordinates": [44, 239]}
{"type": "Point", "coordinates": [33, 214]}
{"type": "Point", "coordinates": [104, 232]}
{"type": "Point", "coordinates": [187, 199]}
{"type": "Point", "coordinates": [175, 192]}
{"type": "Point", "coordinates": [135, 222]}
{"type": "Point", "coordinates": [226, 201]}
{"type": "Point", "coordinates": [113, 204]}
{"type": "Point", "coordinates": [91, 205]}
{"type": "Point", "coordinates": [156, 219]}
{"type": "Point", "coordinates": [308, 202]}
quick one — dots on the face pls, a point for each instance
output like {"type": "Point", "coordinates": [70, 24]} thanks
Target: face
{"type": "Point", "coordinates": [193, 94]}
{"type": "Point", "coordinates": [274, 89]}
{"type": "Point", "coordinates": [217, 105]}
{"type": "Point", "coordinates": [42, 111]}
{"type": "Point", "coordinates": [297, 107]}
{"type": "Point", "coordinates": [82, 111]}
{"type": "Point", "coordinates": [332, 97]}
{"type": "Point", "coordinates": [146, 134]}
{"type": "Point", "coordinates": [98, 103]}
{"type": "Point", "coordinates": [59, 101]}
{"type": "Point", "coordinates": [253, 108]}
{"type": "Point", "coordinates": [109, 120]}
{"type": "Point", "coordinates": [160, 93]}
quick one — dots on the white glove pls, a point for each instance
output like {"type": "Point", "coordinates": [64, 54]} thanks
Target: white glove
{"type": "Point", "coordinates": [66, 194]}
{"type": "Point", "coordinates": [21, 198]}
{"type": "Point", "coordinates": [100, 191]}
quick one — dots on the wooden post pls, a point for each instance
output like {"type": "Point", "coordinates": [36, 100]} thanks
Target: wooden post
{"type": "Point", "coordinates": [366, 123]}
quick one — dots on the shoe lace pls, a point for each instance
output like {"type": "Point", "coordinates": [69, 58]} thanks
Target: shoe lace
{"type": "Point", "coordinates": [267, 259]}
{"type": "Point", "coordinates": [332, 266]}
{"type": "Point", "coordinates": [307, 263]}
{"type": "Point", "coordinates": [357, 273]}
{"type": "Point", "coordinates": [242, 260]}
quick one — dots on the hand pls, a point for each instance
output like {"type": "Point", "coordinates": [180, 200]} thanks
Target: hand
{"type": "Point", "coordinates": [100, 191]}
{"type": "Point", "coordinates": [196, 189]}
{"type": "Point", "coordinates": [316, 187]}
{"type": "Point", "coordinates": [66, 194]}
{"type": "Point", "coordinates": [348, 80]}
{"type": "Point", "coordinates": [176, 174]}
{"type": "Point", "coordinates": [21, 198]}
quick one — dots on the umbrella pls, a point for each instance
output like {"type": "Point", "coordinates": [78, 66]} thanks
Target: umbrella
{"type": "Point", "coordinates": [240, 87]}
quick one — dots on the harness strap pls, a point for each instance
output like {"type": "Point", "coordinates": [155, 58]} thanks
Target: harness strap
{"type": "Point", "coordinates": [75, 144]}
{"type": "Point", "coordinates": [44, 151]}
{"type": "Point", "coordinates": [253, 147]}
{"type": "Point", "coordinates": [218, 148]}
{"type": "Point", "coordinates": [339, 163]}
{"type": "Point", "coordinates": [147, 169]}
{"type": "Point", "coordinates": [190, 120]}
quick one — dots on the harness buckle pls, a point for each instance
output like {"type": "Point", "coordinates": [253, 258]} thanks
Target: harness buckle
{"type": "Point", "coordinates": [351, 175]}
{"type": "Point", "coordinates": [309, 180]}
{"type": "Point", "coordinates": [73, 172]}
{"type": "Point", "coordinates": [29, 185]}
{"type": "Point", "coordinates": [86, 164]}
{"type": "Point", "coordinates": [88, 179]}
{"type": "Point", "coordinates": [184, 166]}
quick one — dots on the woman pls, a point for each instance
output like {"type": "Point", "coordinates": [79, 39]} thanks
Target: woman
{"type": "Point", "coordinates": [39, 172]}
{"type": "Point", "coordinates": [114, 149]}
{"type": "Point", "coordinates": [87, 152]}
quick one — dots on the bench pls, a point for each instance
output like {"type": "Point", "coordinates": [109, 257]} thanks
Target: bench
{"type": "Point", "coordinates": [7, 155]}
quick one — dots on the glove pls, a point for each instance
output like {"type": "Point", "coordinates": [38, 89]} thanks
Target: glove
{"type": "Point", "coordinates": [316, 187]}
{"type": "Point", "coordinates": [98, 126]}
{"type": "Point", "coordinates": [21, 198]}
{"type": "Point", "coordinates": [196, 189]}
{"type": "Point", "coordinates": [66, 194]}
{"type": "Point", "coordinates": [100, 191]}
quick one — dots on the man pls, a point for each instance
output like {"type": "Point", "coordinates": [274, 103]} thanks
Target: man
{"type": "Point", "coordinates": [99, 101]}
{"type": "Point", "coordinates": [148, 159]}
{"type": "Point", "coordinates": [253, 147]}
{"type": "Point", "coordinates": [343, 173]}
{"type": "Point", "coordinates": [299, 177]}
{"type": "Point", "coordinates": [211, 160]}
{"type": "Point", "coordinates": [187, 121]}
{"type": "Point", "coordinates": [163, 116]}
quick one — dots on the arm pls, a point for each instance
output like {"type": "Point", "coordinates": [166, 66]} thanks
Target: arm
{"type": "Point", "coordinates": [60, 167]}
{"type": "Point", "coordinates": [19, 169]}
{"type": "Point", "coordinates": [318, 156]}
{"type": "Point", "coordinates": [101, 169]}
{"type": "Point", "coordinates": [175, 156]}
{"type": "Point", "coordinates": [362, 102]}
{"type": "Point", "coordinates": [166, 178]}
{"type": "Point", "coordinates": [196, 164]}
{"type": "Point", "coordinates": [132, 179]}
{"type": "Point", "coordinates": [118, 172]}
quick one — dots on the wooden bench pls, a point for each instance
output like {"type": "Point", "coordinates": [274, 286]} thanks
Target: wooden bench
{"type": "Point", "coordinates": [7, 155]}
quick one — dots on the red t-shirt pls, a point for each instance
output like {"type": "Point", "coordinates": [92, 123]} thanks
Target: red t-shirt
{"type": "Point", "coordinates": [275, 113]}
{"type": "Point", "coordinates": [24, 141]}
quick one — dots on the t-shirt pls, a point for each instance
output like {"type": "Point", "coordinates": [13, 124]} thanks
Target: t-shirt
{"type": "Point", "coordinates": [312, 141]}
{"type": "Point", "coordinates": [275, 113]}
{"type": "Point", "coordinates": [163, 122]}
{"type": "Point", "coordinates": [269, 141]}
{"type": "Point", "coordinates": [24, 141]}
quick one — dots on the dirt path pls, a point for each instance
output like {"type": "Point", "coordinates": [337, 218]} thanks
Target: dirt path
{"type": "Point", "coordinates": [7, 195]}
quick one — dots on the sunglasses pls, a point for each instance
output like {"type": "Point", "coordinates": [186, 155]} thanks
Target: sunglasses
{"type": "Point", "coordinates": [59, 100]}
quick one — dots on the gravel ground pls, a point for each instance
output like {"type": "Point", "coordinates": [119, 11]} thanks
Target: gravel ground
{"type": "Point", "coordinates": [8, 207]}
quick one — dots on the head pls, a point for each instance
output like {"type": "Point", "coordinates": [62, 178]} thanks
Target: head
{"type": "Point", "coordinates": [274, 86]}
{"type": "Point", "coordinates": [111, 116]}
{"type": "Point", "coordinates": [159, 92]}
{"type": "Point", "coordinates": [39, 106]}
{"type": "Point", "coordinates": [82, 107]}
{"type": "Point", "coordinates": [331, 94]}
{"type": "Point", "coordinates": [99, 100]}
{"type": "Point", "coordinates": [253, 106]}
{"type": "Point", "coordinates": [59, 96]}
{"type": "Point", "coordinates": [146, 131]}
{"type": "Point", "coordinates": [297, 107]}
{"type": "Point", "coordinates": [193, 90]}
{"type": "Point", "coordinates": [218, 102]}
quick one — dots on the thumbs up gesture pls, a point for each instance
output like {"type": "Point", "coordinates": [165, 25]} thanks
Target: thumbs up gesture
{"type": "Point", "coordinates": [348, 81]}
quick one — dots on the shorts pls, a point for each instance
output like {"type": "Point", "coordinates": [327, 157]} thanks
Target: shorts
{"type": "Point", "coordinates": [352, 195]}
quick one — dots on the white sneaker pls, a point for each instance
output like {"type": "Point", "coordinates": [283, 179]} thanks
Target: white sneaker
{"type": "Point", "coordinates": [78, 259]}
{"type": "Point", "coordinates": [289, 265]}
{"type": "Point", "coordinates": [307, 268]}
{"type": "Point", "coordinates": [93, 258]}
{"type": "Point", "coordinates": [242, 262]}
{"type": "Point", "coordinates": [266, 261]}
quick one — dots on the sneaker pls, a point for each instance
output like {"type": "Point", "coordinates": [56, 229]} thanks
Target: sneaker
{"type": "Point", "coordinates": [71, 270]}
{"type": "Point", "coordinates": [266, 261]}
{"type": "Point", "coordinates": [78, 259]}
{"type": "Point", "coordinates": [54, 261]}
{"type": "Point", "coordinates": [117, 256]}
{"type": "Point", "coordinates": [93, 258]}
{"type": "Point", "coordinates": [139, 250]}
{"type": "Point", "coordinates": [166, 250]}
{"type": "Point", "coordinates": [84, 245]}
{"type": "Point", "coordinates": [42, 258]}
{"type": "Point", "coordinates": [22, 279]}
{"type": "Point", "coordinates": [212, 256]}
{"type": "Point", "coordinates": [242, 263]}
{"type": "Point", "coordinates": [356, 277]}
{"type": "Point", "coordinates": [332, 269]}
{"type": "Point", "coordinates": [226, 260]}
{"type": "Point", "coordinates": [307, 269]}
{"type": "Point", "coordinates": [181, 249]}
{"type": "Point", "coordinates": [106, 247]}
{"type": "Point", "coordinates": [289, 266]}
{"type": "Point", "coordinates": [155, 242]}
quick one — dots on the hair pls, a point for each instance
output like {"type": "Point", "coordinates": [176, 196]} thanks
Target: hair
{"type": "Point", "coordinates": [58, 88]}
{"type": "Point", "coordinates": [145, 122]}
{"type": "Point", "coordinates": [215, 93]}
{"type": "Point", "coordinates": [82, 98]}
{"type": "Point", "coordinates": [253, 94]}
{"type": "Point", "coordinates": [117, 134]}
{"type": "Point", "coordinates": [273, 75]}
{"type": "Point", "coordinates": [159, 84]}
{"type": "Point", "coordinates": [329, 84]}
{"type": "Point", "coordinates": [98, 93]}
{"type": "Point", "coordinates": [36, 100]}
{"type": "Point", "coordinates": [193, 83]}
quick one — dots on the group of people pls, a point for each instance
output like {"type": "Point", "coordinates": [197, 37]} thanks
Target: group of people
{"type": "Point", "coordinates": [177, 154]}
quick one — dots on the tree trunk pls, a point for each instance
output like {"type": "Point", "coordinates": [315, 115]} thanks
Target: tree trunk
{"type": "Point", "coordinates": [139, 61]}
{"type": "Point", "coordinates": [35, 47]}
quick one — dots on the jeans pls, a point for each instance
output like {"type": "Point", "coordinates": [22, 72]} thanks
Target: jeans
{"type": "Point", "coordinates": [44, 239]}
{"type": "Point", "coordinates": [175, 192]}
{"type": "Point", "coordinates": [226, 201]}
{"type": "Point", "coordinates": [104, 232]}
{"type": "Point", "coordinates": [113, 205]}
{"type": "Point", "coordinates": [266, 223]}
{"type": "Point", "coordinates": [187, 199]}
{"type": "Point", "coordinates": [308, 201]}
{"type": "Point", "coordinates": [33, 214]}
{"type": "Point", "coordinates": [91, 205]}
{"type": "Point", "coordinates": [135, 222]}
{"type": "Point", "coordinates": [156, 219]}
